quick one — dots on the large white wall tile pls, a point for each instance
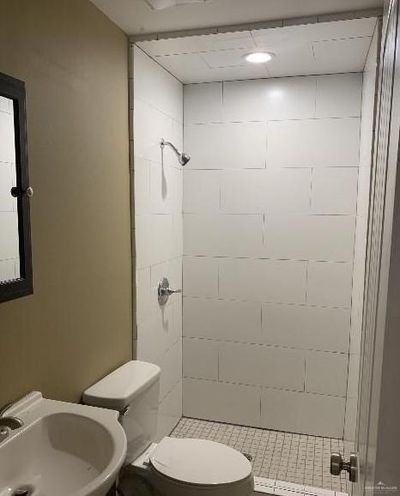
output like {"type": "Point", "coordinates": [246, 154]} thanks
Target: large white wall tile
{"type": "Point", "coordinates": [263, 280]}
{"type": "Point", "coordinates": [200, 276]}
{"type": "Point", "coordinates": [273, 176]}
{"type": "Point", "coordinates": [156, 86]}
{"type": "Point", "coordinates": [169, 412]}
{"type": "Point", "coordinates": [171, 374]}
{"type": "Point", "coordinates": [314, 414]}
{"type": "Point", "coordinates": [154, 335]}
{"type": "Point", "coordinates": [350, 422]}
{"type": "Point", "coordinates": [200, 358]}
{"type": "Point", "coordinates": [306, 327]}
{"type": "Point", "coordinates": [141, 182]}
{"type": "Point", "coordinates": [226, 320]}
{"type": "Point", "coordinates": [144, 296]}
{"type": "Point", "coordinates": [6, 104]}
{"type": "Point", "coordinates": [8, 270]}
{"type": "Point", "coordinates": [158, 183]}
{"type": "Point", "coordinates": [326, 373]}
{"type": "Point", "coordinates": [334, 190]}
{"type": "Point", "coordinates": [273, 190]}
{"type": "Point", "coordinates": [315, 142]}
{"type": "Point", "coordinates": [226, 146]}
{"type": "Point", "coordinates": [329, 284]}
{"type": "Point", "coordinates": [269, 99]}
{"type": "Point", "coordinates": [9, 239]}
{"type": "Point", "coordinates": [150, 125]}
{"type": "Point", "coordinates": [165, 189]}
{"type": "Point", "coordinates": [154, 239]}
{"type": "Point", "coordinates": [223, 235]}
{"type": "Point", "coordinates": [7, 142]}
{"type": "Point", "coordinates": [310, 237]}
{"type": "Point", "coordinates": [224, 402]}
{"type": "Point", "coordinates": [7, 181]}
{"type": "Point", "coordinates": [154, 345]}
{"type": "Point", "coordinates": [354, 372]}
{"type": "Point", "coordinates": [203, 103]}
{"type": "Point", "coordinates": [201, 191]}
{"type": "Point", "coordinates": [339, 95]}
{"type": "Point", "coordinates": [262, 365]}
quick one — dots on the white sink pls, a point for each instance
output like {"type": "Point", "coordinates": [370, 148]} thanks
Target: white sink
{"type": "Point", "coordinates": [63, 449]}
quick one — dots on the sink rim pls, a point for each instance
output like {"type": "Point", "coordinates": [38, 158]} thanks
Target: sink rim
{"type": "Point", "coordinates": [33, 408]}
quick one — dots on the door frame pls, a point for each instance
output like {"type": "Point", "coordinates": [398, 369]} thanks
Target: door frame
{"type": "Point", "coordinates": [378, 431]}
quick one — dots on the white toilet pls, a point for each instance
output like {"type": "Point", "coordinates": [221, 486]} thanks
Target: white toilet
{"type": "Point", "coordinates": [173, 467]}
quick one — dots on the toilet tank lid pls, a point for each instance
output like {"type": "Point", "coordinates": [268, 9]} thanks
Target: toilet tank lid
{"type": "Point", "coordinates": [118, 389]}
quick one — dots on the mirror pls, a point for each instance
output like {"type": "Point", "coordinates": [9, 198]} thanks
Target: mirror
{"type": "Point", "coordinates": [15, 192]}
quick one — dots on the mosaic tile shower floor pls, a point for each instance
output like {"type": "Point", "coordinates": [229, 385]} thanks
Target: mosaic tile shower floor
{"type": "Point", "coordinates": [296, 458]}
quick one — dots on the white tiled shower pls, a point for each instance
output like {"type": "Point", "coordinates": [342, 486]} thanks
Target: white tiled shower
{"type": "Point", "coordinates": [9, 248]}
{"type": "Point", "coordinates": [271, 229]}
{"type": "Point", "coordinates": [158, 112]}
{"type": "Point", "coordinates": [260, 229]}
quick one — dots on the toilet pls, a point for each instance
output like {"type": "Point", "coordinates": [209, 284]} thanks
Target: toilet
{"type": "Point", "coordinates": [173, 467]}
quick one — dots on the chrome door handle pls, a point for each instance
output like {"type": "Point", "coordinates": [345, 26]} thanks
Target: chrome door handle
{"type": "Point", "coordinates": [338, 464]}
{"type": "Point", "coordinates": [164, 291]}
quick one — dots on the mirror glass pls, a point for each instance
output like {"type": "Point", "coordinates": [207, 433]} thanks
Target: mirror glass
{"type": "Point", "coordinates": [9, 237]}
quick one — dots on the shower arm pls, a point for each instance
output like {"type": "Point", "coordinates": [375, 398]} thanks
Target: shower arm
{"type": "Point", "coordinates": [164, 143]}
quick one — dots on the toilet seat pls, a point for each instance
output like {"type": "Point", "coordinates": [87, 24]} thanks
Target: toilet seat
{"type": "Point", "coordinates": [199, 462]}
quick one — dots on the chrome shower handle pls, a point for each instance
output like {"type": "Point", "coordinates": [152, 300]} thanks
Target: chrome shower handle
{"type": "Point", "coordinates": [170, 291]}
{"type": "Point", "coordinates": [164, 291]}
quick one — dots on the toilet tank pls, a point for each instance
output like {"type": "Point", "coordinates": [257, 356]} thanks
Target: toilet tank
{"type": "Point", "coordinates": [133, 390]}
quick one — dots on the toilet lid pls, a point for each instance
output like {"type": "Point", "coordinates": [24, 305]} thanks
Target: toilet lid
{"type": "Point", "coordinates": [197, 461]}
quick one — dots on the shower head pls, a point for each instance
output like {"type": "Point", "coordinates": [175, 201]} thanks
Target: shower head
{"type": "Point", "coordinates": [183, 158]}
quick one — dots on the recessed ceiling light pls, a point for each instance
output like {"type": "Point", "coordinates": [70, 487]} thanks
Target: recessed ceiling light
{"type": "Point", "coordinates": [258, 57]}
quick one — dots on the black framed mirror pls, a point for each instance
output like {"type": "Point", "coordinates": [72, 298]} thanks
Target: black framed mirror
{"type": "Point", "coordinates": [15, 192]}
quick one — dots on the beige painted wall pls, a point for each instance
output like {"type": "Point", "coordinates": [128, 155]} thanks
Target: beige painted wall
{"type": "Point", "coordinates": [78, 324]}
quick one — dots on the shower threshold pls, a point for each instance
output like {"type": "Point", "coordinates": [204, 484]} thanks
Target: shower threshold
{"type": "Point", "coordinates": [284, 463]}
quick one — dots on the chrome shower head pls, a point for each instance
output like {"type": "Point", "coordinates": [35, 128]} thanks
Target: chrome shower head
{"type": "Point", "coordinates": [183, 158]}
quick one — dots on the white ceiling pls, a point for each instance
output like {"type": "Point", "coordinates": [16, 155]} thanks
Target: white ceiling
{"type": "Point", "coordinates": [136, 17]}
{"type": "Point", "coordinates": [321, 48]}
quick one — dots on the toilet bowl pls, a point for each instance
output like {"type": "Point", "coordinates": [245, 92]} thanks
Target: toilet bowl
{"type": "Point", "coordinates": [173, 467]}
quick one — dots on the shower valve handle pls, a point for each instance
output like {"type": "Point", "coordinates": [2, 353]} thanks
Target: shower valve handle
{"type": "Point", "coordinates": [164, 291]}
{"type": "Point", "coordinates": [170, 291]}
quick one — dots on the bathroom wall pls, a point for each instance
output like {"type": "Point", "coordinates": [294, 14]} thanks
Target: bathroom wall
{"type": "Point", "coordinates": [158, 113]}
{"type": "Point", "coordinates": [77, 326]}
{"type": "Point", "coordinates": [269, 223]}
{"type": "Point", "coordinates": [9, 248]}
{"type": "Point", "coordinates": [366, 142]}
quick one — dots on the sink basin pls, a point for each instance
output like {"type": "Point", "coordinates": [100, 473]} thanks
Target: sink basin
{"type": "Point", "coordinates": [63, 449]}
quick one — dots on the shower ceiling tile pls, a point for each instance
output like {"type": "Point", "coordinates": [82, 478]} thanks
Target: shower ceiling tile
{"type": "Point", "coordinates": [294, 61]}
{"type": "Point", "coordinates": [315, 32]}
{"type": "Point", "coordinates": [329, 54]}
{"type": "Point", "coordinates": [225, 58]}
{"type": "Point", "coordinates": [186, 67]}
{"type": "Point", "coordinates": [331, 47]}
{"type": "Point", "coordinates": [196, 44]}
{"type": "Point", "coordinates": [236, 72]}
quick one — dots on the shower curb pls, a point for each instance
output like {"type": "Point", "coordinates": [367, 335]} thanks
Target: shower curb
{"type": "Point", "coordinates": [263, 485]}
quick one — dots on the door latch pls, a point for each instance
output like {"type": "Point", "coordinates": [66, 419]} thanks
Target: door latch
{"type": "Point", "coordinates": [338, 465]}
